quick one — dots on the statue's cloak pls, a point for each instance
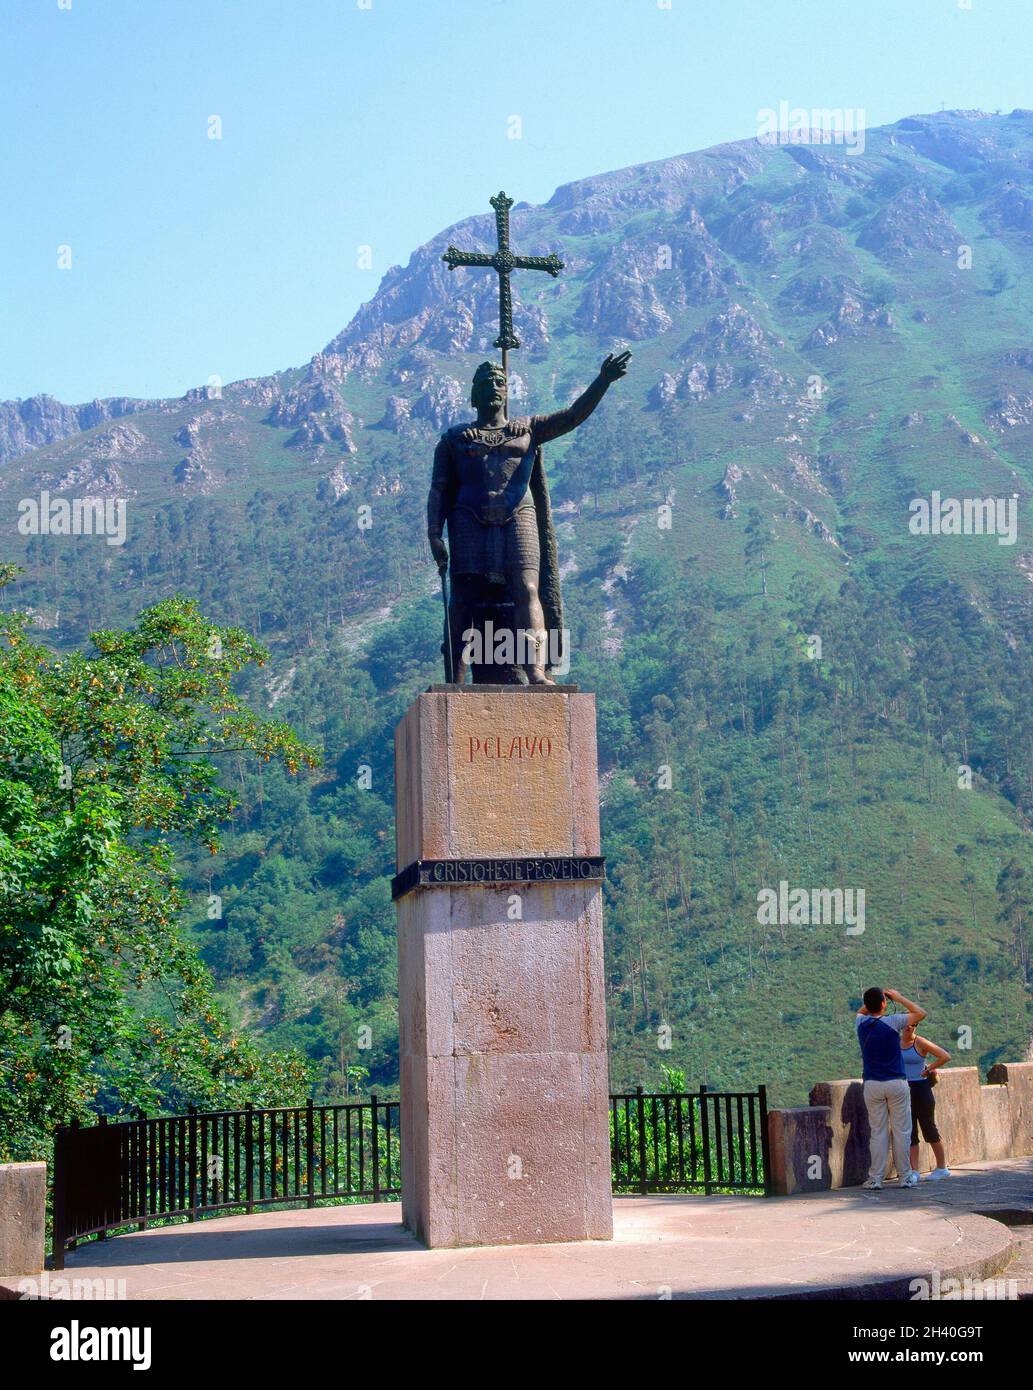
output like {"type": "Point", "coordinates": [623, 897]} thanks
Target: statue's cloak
{"type": "Point", "coordinates": [549, 565]}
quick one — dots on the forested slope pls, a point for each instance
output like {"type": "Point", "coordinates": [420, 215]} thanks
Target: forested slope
{"type": "Point", "coordinates": [819, 339]}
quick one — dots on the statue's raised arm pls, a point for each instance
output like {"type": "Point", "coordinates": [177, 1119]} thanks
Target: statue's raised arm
{"type": "Point", "coordinates": [548, 427]}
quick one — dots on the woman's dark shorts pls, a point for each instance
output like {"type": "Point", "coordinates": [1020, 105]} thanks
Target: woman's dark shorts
{"type": "Point", "coordinates": [923, 1112]}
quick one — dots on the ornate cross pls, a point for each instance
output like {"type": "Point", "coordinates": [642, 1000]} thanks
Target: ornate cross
{"type": "Point", "coordinates": [503, 261]}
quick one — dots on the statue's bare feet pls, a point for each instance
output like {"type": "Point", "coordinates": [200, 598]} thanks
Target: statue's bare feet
{"type": "Point", "coordinates": [536, 676]}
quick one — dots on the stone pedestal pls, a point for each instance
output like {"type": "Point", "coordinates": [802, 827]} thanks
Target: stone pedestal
{"type": "Point", "coordinates": [504, 1117]}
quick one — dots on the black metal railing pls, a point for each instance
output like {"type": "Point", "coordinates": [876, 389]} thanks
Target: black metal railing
{"type": "Point", "coordinates": [135, 1171]}
{"type": "Point", "coordinates": [705, 1141]}
{"type": "Point", "coordinates": [131, 1172]}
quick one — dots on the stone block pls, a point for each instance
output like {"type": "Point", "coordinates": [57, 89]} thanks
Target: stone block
{"type": "Point", "coordinates": [998, 1122]}
{"type": "Point", "coordinates": [23, 1217]}
{"type": "Point", "coordinates": [1018, 1077]}
{"type": "Point", "coordinates": [849, 1135]}
{"type": "Point", "coordinates": [799, 1142]}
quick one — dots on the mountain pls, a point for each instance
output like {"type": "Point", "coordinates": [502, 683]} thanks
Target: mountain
{"type": "Point", "coordinates": [794, 686]}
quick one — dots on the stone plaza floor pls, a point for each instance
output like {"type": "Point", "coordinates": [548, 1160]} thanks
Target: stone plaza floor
{"type": "Point", "coordinates": [843, 1244]}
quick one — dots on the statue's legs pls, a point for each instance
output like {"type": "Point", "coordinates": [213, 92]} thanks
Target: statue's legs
{"type": "Point", "coordinates": [465, 592]}
{"type": "Point", "coordinates": [530, 620]}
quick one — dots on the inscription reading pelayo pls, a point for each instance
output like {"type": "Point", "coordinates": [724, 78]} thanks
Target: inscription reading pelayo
{"type": "Point", "coordinates": [510, 749]}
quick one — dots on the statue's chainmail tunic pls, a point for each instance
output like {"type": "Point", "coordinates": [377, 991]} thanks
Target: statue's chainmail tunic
{"type": "Point", "coordinates": [494, 551]}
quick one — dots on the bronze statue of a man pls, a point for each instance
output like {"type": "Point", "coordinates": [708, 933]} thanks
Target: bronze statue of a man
{"type": "Point", "coordinates": [489, 486]}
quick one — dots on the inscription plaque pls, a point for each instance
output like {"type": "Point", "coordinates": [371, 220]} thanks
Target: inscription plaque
{"type": "Point", "coordinates": [474, 873]}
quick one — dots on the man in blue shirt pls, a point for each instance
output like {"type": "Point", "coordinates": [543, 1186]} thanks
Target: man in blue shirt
{"type": "Point", "coordinates": [887, 1096]}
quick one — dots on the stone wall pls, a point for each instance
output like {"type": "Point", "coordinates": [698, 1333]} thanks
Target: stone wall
{"type": "Point", "coordinates": [1018, 1125]}
{"type": "Point", "coordinates": [825, 1144]}
{"type": "Point", "coordinates": [23, 1217]}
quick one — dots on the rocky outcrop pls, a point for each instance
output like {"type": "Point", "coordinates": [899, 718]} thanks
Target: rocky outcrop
{"type": "Point", "coordinates": [814, 202]}
{"type": "Point", "coordinates": [193, 474]}
{"type": "Point", "coordinates": [912, 222]}
{"type": "Point", "coordinates": [816, 293]}
{"type": "Point", "coordinates": [733, 333]}
{"type": "Point", "coordinates": [956, 144]}
{"type": "Point", "coordinates": [91, 478]}
{"type": "Point", "coordinates": [1013, 409]}
{"type": "Point", "coordinates": [397, 414]}
{"type": "Point", "coordinates": [622, 304]}
{"type": "Point", "coordinates": [97, 463]}
{"type": "Point", "coordinates": [254, 391]}
{"type": "Point", "coordinates": [416, 364]}
{"type": "Point", "coordinates": [728, 489]}
{"type": "Point", "coordinates": [696, 382]}
{"type": "Point", "coordinates": [42, 420]}
{"type": "Point", "coordinates": [750, 235]}
{"type": "Point", "coordinates": [318, 414]}
{"type": "Point", "coordinates": [733, 349]}
{"type": "Point", "coordinates": [803, 516]}
{"type": "Point", "coordinates": [823, 245]}
{"type": "Point", "coordinates": [1011, 210]}
{"type": "Point", "coordinates": [337, 484]}
{"type": "Point", "coordinates": [852, 317]}
{"type": "Point", "coordinates": [441, 402]}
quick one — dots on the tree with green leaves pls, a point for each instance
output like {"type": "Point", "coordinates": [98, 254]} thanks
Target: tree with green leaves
{"type": "Point", "coordinates": [108, 764]}
{"type": "Point", "coordinates": [1014, 915]}
{"type": "Point", "coordinates": [759, 540]}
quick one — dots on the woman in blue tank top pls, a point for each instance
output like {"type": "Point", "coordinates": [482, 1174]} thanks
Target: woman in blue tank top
{"type": "Point", "coordinates": [921, 1058]}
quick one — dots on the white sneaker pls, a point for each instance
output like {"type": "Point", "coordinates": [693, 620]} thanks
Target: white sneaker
{"type": "Point", "coordinates": [911, 1180]}
{"type": "Point", "coordinates": [872, 1184]}
{"type": "Point", "coordinates": [937, 1173]}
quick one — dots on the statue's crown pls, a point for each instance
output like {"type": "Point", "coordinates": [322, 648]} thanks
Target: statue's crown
{"type": "Point", "coordinates": [487, 369]}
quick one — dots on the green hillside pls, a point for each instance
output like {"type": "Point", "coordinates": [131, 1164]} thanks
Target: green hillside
{"type": "Point", "coordinates": [819, 338]}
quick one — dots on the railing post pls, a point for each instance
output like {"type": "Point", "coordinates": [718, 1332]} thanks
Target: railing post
{"type": "Point", "coordinates": [643, 1186]}
{"type": "Point", "coordinates": [310, 1152]}
{"type": "Point", "coordinates": [765, 1150]}
{"type": "Point", "coordinates": [59, 1228]}
{"type": "Point", "coordinates": [102, 1121]}
{"type": "Point", "coordinates": [192, 1165]}
{"type": "Point", "coordinates": [71, 1242]}
{"type": "Point", "coordinates": [705, 1131]}
{"type": "Point", "coordinates": [140, 1158]}
{"type": "Point", "coordinates": [249, 1144]}
{"type": "Point", "coordinates": [375, 1148]}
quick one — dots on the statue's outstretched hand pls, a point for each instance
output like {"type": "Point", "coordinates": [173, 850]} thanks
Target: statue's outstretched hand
{"type": "Point", "coordinates": [440, 552]}
{"type": "Point", "coordinates": [615, 367]}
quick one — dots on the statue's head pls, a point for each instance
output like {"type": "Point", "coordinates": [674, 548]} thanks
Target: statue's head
{"type": "Point", "coordinates": [489, 387]}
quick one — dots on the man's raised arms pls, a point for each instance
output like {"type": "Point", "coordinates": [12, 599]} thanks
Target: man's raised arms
{"type": "Point", "coordinates": [915, 1012]}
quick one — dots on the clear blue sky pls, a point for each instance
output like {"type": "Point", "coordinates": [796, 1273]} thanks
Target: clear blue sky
{"type": "Point", "coordinates": [345, 126]}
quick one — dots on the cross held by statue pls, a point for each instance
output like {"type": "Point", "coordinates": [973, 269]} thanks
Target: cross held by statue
{"type": "Point", "coordinates": [503, 261]}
